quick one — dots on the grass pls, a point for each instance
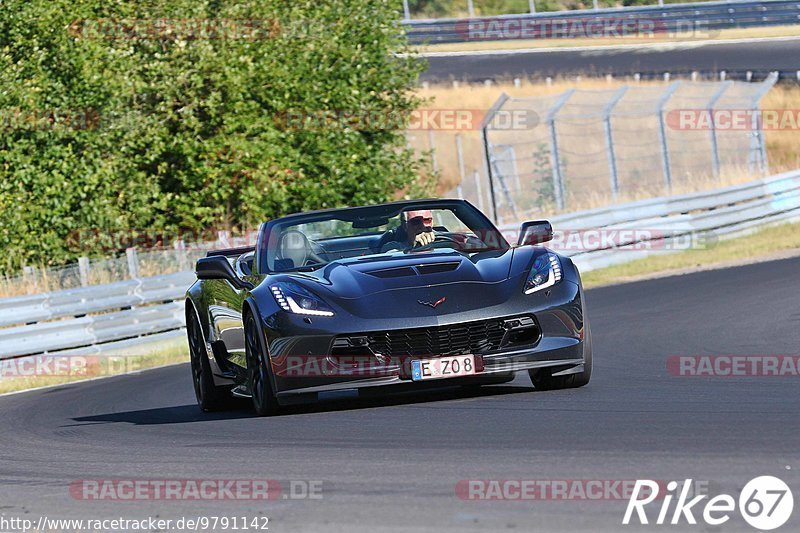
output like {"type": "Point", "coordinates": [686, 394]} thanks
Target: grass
{"type": "Point", "coordinates": [91, 366]}
{"type": "Point", "coordinates": [517, 44]}
{"type": "Point", "coordinates": [740, 250]}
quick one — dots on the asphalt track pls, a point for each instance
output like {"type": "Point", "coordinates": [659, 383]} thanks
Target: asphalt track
{"type": "Point", "coordinates": [393, 463]}
{"type": "Point", "coordinates": [759, 56]}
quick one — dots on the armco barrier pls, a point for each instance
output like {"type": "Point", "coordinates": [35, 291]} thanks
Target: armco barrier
{"type": "Point", "coordinates": [126, 319]}
{"type": "Point", "coordinates": [90, 330]}
{"type": "Point", "coordinates": [93, 299]}
{"type": "Point", "coordinates": [717, 212]}
{"type": "Point", "coordinates": [706, 17]}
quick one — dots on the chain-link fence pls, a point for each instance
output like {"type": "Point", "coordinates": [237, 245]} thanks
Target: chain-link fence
{"type": "Point", "coordinates": [427, 9]}
{"type": "Point", "coordinates": [177, 256]}
{"type": "Point", "coordinates": [588, 148]}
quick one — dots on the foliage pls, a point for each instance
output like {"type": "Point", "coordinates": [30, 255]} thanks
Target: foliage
{"type": "Point", "coordinates": [107, 124]}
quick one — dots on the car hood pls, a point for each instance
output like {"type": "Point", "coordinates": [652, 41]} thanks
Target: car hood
{"type": "Point", "coordinates": [392, 285]}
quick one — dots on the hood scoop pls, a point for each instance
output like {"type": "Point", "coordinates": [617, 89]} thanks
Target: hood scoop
{"type": "Point", "coordinates": [416, 270]}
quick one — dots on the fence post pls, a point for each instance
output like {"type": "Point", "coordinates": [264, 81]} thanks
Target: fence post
{"type": "Point", "coordinates": [432, 146]}
{"type": "Point", "coordinates": [758, 149]}
{"type": "Point", "coordinates": [477, 176]}
{"type": "Point", "coordinates": [83, 270]}
{"type": "Point", "coordinates": [180, 250]}
{"type": "Point", "coordinates": [532, 6]}
{"type": "Point", "coordinates": [504, 188]}
{"type": "Point", "coordinates": [487, 120]}
{"type": "Point", "coordinates": [461, 171]}
{"type": "Point", "coordinates": [470, 8]}
{"type": "Point", "coordinates": [514, 167]}
{"type": "Point", "coordinates": [612, 158]}
{"type": "Point", "coordinates": [406, 11]}
{"type": "Point", "coordinates": [29, 277]}
{"type": "Point", "coordinates": [133, 263]}
{"type": "Point", "coordinates": [555, 158]}
{"type": "Point", "coordinates": [715, 164]}
{"type": "Point", "coordinates": [662, 133]}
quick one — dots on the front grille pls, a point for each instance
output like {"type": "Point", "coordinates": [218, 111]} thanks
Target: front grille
{"type": "Point", "coordinates": [472, 337]}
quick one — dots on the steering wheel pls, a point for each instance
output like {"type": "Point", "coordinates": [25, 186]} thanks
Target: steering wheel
{"type": "Point", "coordinates": [440, 238]}
{"type": "Point", "coordinates": [294, 245]}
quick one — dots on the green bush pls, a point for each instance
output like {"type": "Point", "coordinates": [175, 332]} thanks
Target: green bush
{"type": "Point", "coordinates": [105, 131]}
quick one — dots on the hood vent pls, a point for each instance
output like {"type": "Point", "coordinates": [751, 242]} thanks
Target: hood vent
{"type": "Point", "coordinates": [392, 272]}
{"type": "Point", "coordinates": [417, 270]}
{"type": "Point", "coordinates": [437, 268]}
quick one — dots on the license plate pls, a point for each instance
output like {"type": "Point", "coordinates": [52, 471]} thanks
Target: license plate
{"type": "Point", "coordinates": [443, 367]}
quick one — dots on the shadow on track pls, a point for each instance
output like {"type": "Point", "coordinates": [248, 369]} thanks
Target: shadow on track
{"type": "Point", "coordinates": [241, 408]}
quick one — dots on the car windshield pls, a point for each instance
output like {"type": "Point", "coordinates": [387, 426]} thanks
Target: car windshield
{"type": "Point", "coordinates": [309, 242]}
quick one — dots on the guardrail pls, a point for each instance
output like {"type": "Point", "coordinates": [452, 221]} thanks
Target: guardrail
{"type": "Point", "coordinates": [707, 16]}
{"type": "Point", "coordinates": [61, 320]}
{"type": "Point", "coordinates": [658, 225]}
{"type": "Point", "coordinates": [93, 299]}
{"type": "Point", "coordinates": [675, 223]}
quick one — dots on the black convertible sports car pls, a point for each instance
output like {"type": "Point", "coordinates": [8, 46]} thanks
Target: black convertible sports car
{"type": "Point", "coordinates": [419, 293]}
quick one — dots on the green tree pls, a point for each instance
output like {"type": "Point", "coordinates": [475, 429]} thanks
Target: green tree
{"type": "Point", "coordinates": [166, 115]}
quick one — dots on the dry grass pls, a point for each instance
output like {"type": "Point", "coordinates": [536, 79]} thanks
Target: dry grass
{"type": "Point", "coordinates": [516, 44]}
{"type": "Point", "coordinates": [782, 146]}
{"type": "Point", "coordinates": [114, 363]}
{"type": "Point", "coordinates": [764, 243]}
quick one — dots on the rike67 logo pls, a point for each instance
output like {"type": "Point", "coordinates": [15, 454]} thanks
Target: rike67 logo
{"type": "Point", "coordinates": [765, 503]}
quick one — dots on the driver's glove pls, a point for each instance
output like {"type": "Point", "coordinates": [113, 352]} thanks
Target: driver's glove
{"type": "Point", "coordinates": [424, 238]}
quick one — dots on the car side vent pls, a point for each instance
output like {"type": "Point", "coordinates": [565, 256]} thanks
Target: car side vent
{"type": "Point", "coordinates": [437, 268]}
{"type": "Point", "coordinates": [392, 272]}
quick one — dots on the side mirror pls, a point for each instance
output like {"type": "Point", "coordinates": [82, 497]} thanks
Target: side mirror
{"type": "Point", "coordinates": [218, 267]}
{"type": "Point", "coordinates": [535, 232]}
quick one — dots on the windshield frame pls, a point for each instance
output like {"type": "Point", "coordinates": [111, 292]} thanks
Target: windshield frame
{"type": "Point", "coordinates": [462, 208]}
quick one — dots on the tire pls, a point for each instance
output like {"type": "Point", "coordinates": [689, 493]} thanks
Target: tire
{"type": "Point", "coordinates": [258, 378]}
{"type": "Point", "coordinates": [209, 397]}
{"type": "Point", "coordinates": [543, 379]}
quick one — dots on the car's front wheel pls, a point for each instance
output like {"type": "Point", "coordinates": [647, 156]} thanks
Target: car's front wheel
{"type": "Point", "coordinates": [209, 396]}
{"type": "Point", "coordinates": [543, 378]}
{"type": "Point", "coordinates": [258, 381]}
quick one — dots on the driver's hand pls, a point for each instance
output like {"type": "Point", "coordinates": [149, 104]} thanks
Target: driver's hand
{"type": "Point", "coordinates": [424, 238]}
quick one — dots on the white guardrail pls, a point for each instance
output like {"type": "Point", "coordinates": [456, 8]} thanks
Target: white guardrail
{"type": "Point", "coordinates": [92, 319]}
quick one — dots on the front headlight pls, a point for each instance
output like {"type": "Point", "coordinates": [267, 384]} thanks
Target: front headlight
{"type": "Point", "coordinates": [545, 272]}
{"type": "Point", "coordinates": [295, 299]}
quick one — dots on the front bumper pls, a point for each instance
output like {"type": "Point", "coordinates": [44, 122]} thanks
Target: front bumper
{"type": "Point", "coordinates": [302, 364]}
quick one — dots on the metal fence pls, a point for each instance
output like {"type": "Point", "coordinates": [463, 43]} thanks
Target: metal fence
{"type": "Point", "coordinates": [587, 148]}
{"type": "Point", "coordinates": [705, 17]}
{"type": "Point", "coordinates": [611, 235]}
{"type": "Point", "coordinates": [177, 256]}
{"type": "Point", "coordinates": [472, 8]}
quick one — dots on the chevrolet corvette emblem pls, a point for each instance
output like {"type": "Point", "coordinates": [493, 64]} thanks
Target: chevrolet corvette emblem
{"type": "Point", "coordinates": [433, 305]}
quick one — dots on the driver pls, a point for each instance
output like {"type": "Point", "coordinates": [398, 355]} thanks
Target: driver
{"type": "Point", "coordinates": [416, 229]}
